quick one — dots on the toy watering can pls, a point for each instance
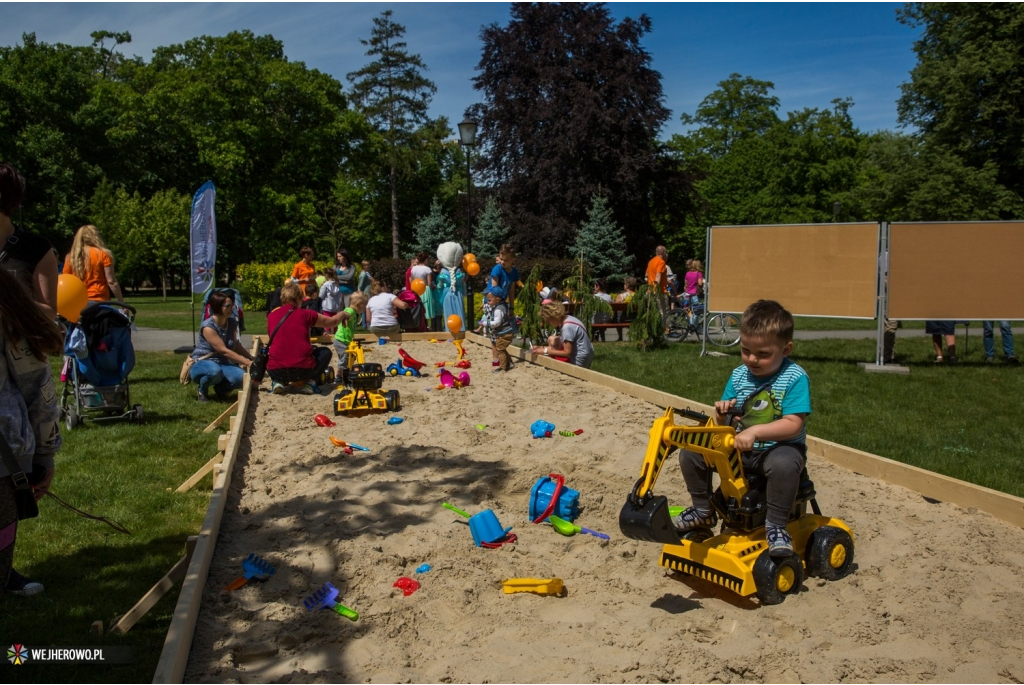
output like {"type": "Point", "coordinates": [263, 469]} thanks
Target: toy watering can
{"type": "Point", "coordinates": [484, 526]}
{"type": "Point", "coordinates": [550, 496]}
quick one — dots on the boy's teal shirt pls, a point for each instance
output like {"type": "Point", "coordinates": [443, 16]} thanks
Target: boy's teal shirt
{"type": "Point", "coordinates": [767, 399]}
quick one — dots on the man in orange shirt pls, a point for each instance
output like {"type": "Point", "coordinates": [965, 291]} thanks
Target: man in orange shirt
{"type": "Point", "coordinates": [657, 276]}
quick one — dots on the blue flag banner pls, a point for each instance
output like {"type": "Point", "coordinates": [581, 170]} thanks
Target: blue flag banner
{"type": "Point", "coordinates": [203, 238]}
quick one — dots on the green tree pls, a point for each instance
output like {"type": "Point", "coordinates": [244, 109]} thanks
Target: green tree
{"type": "Point", "coordinates": [146, 235]}
{"type": "Point", "coordinates": [903, 178]}
{"type": "Point", "coordinates": [272, 134]}
{"type": "Point", "coordinates": [965, 92]}
{"type": "Point", "coordinates": [393, 94]}
{"type": "Point", "coordinates": [432, 230]}
{"type": "Point", "coordinates": [741, 107]}
{"type": "Point", "coordinates": [491, 230]}
{"type": "Point", "coordinates": [572, 106]}
{"type": "Point", "coordinates": [601, 242]}
{"type": "Point", "coordinates": [47, 131]}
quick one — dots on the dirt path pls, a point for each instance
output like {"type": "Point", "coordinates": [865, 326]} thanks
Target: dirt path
{"type": "Point", "coordinates": [937, 595]}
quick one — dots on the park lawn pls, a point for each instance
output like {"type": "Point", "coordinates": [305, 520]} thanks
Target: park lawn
{"type": "Point", "coordinates": [176, 313]}
{"type": "Point", "coordinates": [91, 572]}
{"type": "Point", "coordinates": [961, 421]}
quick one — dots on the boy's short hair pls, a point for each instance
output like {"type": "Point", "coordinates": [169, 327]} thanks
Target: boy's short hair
{"type": "Point", "coordinates": [311, 289]}
{"type": "Point", "coordinates": [767, 318]}
{"type": "Point", "coordinates": [553, 310]}
{"type": "Point", "coordinates": [358, 298]}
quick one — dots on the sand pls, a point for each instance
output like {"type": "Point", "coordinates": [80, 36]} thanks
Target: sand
{"type": "Point", "coordinates": [937, 593]}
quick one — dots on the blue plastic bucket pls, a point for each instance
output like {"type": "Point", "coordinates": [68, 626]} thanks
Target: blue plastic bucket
{"type": "Point", "coordinates": [567, 507]}
{"type": "Point", "coordinates": [485, 527]}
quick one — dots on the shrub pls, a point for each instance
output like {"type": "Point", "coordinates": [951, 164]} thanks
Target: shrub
{"type": "Point", "coordinates": [256, 281]}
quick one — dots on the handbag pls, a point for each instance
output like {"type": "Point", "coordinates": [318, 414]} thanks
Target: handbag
{"type": "Point", "coordinates": [24, 498]}
{"type": "Point", "coordinates": [258, 368]}
{"type": "Point", "coordinates": [186, 366]}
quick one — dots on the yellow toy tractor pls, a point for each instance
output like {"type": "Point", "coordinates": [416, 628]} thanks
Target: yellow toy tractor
{"type": "Point", "coordinates": [362, 397]}
{"type": "Point", "coordinates": [353, 356]}
{"type": "Point", "coordinates": [736, 558]}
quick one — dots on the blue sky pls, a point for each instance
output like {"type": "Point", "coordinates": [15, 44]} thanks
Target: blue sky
{"type": "Point", "coordinates": [813, 52]}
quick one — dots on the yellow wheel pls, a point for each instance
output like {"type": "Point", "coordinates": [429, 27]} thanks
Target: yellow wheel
{"type": "Point", "coordinates": [776, 578]}
{"type": "Point", "coordinates": [785, 580]}
{"type": "Point", "coordinates": [829, 553]}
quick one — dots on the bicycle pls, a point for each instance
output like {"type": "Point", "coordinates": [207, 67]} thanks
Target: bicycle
{"type": "Point", "coordinates": [723, 329]}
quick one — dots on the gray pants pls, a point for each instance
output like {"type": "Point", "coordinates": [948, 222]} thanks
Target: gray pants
{"type": "Point", "coordinates": [889, 339]}
{"type": "Point", "coordinates": [781, 464]}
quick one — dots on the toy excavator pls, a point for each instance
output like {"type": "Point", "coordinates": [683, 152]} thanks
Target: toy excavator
{"type": "Point", "coordinates": [363, 398]}
{"type": "Point", "coordinates": [737, 558]}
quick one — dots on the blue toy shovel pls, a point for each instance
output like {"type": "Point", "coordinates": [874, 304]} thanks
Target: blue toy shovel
{"type": "Point", "coordinates": [254, 567]}
{"type": "Point", "coordinates": [327, 598]}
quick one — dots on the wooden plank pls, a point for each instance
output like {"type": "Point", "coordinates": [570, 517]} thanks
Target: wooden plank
{"type": "Point", "coordinates": [224, 415]}
{"type": "Point", "coordinates": [222, 442]}
{"type": "Point", "coordinates": [929, 484]}
{"type": "Point", "coordinates": [178, 643]}
{"type": "Point", "coordinates": [231, 423]}
{"type": "Point", "coordinates": [194, 479]}
{"type": "Point", "coordinates": [149, 600]}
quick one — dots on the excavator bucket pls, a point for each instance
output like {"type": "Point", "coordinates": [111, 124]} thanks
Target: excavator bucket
{"type": "Point", "coordinates": [650, 522]}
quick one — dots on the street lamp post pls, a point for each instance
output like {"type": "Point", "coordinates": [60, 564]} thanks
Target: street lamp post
{"type": "Point", "coordinates": [836, 206]}
{"type": "Point", "coordinates": [467, 138]}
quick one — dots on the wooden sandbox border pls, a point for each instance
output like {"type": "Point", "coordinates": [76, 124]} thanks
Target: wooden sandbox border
{"type": "Point", "coordinates": [178, 644]}
{"type": "Point", "coordinates": [927, 483]}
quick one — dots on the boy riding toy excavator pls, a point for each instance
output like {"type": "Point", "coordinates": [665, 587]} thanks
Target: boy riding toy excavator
{"type": "Point", "coordinates": [767, 539]}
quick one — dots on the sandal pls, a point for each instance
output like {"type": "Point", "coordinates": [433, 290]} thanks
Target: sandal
{"type": "Point", "coordinates": [939, 359]}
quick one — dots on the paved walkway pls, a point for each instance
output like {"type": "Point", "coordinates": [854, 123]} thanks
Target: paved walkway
{"type": "Point", "coordinates": [157, 340]}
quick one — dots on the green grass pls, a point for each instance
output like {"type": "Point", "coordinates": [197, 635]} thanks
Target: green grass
{"type": "Point", "coordinates": [960, 421]}
{"type": "Point", "coordinates": [91, 572]}
{"type": "Point", "coordinates": [176, 314]}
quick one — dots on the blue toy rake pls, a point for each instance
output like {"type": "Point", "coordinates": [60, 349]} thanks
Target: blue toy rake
{"type": "Point", "coordinates": [254, 566]}
{"type": "Point", "coordinates": [327, 598]}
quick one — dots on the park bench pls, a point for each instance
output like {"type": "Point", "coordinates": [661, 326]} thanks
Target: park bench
{"type": "Point", "coordinates": [618, 321]}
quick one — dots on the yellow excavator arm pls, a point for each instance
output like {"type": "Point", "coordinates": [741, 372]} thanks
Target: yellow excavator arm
{"type": "Point", "coordinates": [645, 516]}
{"type": "Point", "coordinates": [715, 443]}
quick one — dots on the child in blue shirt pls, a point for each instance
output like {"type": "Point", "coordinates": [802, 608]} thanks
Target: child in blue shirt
{"type": "Point", "coordinates": [774, 395]}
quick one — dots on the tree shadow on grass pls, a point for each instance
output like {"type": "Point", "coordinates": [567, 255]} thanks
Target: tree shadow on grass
{"type": "Point", "coordinates": [95, 583]}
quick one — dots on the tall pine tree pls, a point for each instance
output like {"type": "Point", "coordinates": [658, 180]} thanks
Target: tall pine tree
{"type": "Point", "coordinates": [602, 242]}
{"type": "Point", "coordinates": [432, 230]}
{"type": "Point", "coordinates": [393, 93]}
{"type": "Point", "coordinates": [491, 231]}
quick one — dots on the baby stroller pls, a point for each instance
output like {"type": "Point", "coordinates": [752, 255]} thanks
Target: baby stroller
{"type": "Point", "coordinates": [98, 358]}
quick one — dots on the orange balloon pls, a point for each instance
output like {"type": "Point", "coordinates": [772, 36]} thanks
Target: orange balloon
{"type": "Point", "coordinates": [454, 324]}
{"type": "Point", "coordinates": [472, 268]}
{"type": "Point", "coordinates": [418, 286]}
{"type": "Point", "coordinates": [470, 257]}
{"type": "Point", "coordinates": [72, 296]}
{"type": "Point", "coordinates": [540, 285]}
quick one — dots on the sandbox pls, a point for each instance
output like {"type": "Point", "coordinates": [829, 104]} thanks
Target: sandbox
{"type": "Point", "coordinates": [937, 593]}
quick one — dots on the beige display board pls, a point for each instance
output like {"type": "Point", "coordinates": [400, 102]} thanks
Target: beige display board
{"type": "Point", "coordinates": [970, 270]}
{"type": "Point", "coordinates": [812, 269]}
